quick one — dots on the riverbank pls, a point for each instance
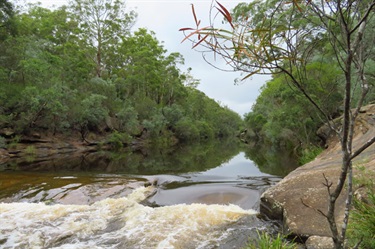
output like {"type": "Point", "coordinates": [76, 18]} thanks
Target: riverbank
{"type": "Point", "coordinates": [296, 199]}
{"type": "Point", "coordinates": [40, 146]}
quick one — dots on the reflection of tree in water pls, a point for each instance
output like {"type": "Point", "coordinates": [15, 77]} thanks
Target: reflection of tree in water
{"type": "Point", "coordinates": [155, 160]}
{"type": "Point", "coordinates": [271, 159]}
{"type": "Point", "coordinates": [182, 159]}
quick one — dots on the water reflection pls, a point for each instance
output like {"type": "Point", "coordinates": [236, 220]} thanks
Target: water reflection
{"type": "Point", "coordinates": [182, 175]}
{"type": "Point", "coordinates": [237, 181]}
{"type": "Point", "coordinates": [225, 183]}
{"type": "Point", "coordinates": [271, 159]}
{"type": "Point", "coordinates": [238, 166]}
{"type": "Point", "coordinates": [155, 160]}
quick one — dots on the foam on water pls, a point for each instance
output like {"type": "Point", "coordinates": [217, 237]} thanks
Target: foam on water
{"type": "Point", "coordinates": [115, 223]}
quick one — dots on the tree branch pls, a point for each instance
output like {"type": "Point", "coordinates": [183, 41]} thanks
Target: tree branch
{"type": "Point", "coordinates": [362, 148]}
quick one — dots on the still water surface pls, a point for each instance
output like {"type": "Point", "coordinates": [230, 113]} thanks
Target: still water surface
{"type": "Point", "coordinates": [163, 200]}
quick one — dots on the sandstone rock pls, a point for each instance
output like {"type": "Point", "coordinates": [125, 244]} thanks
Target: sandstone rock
{"type": "Point", "coordinates": [7, 132]}
{"type": "Point", "coordinates": [318, 242]}
{"type": "Point", "coordinates": [4, 156]}
{"type": "Point", "coordinates": [299, 199]}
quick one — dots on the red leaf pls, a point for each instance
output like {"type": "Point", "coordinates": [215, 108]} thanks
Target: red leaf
{"type": "Point", "coordinates": [195, 16]}
{"type": "Point", "coordinates": [184, 29]}
{"type": "Point", "coordinates": [196, 32]}
{"type": "Point", "coordinates": [204, 38]}
{"type": "Point", "coordinates": [225, 13]}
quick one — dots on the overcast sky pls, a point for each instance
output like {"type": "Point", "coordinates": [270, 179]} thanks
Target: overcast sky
{"type": "Point", "coordinates": [165, 18]}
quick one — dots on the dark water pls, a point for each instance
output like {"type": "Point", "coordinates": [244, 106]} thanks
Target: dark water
{"type": "Point", "coordinates": [151, 199]}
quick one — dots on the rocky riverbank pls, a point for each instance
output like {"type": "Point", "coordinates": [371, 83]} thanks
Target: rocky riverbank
{"type": "Point", "coordinates": [44, 147]}
{"type": "Point", "coordinates": [297, 198]}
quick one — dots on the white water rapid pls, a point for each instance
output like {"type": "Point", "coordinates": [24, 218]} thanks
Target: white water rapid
{"type": "Point", "coordinates": [116, 223]}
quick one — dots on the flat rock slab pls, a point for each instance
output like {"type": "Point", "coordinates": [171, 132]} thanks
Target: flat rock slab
{"type": "Point", "coordinates": [298, 199]}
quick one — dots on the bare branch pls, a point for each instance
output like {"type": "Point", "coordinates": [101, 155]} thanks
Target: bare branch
{"type": "Point", "coordinates": [364, 18]}
{"type": "Point", "coordinates": [311, 207]}
{"type": "Point", "coordinates": [362, 148]}
{"type": "Point", "coordinates": [327, 184]}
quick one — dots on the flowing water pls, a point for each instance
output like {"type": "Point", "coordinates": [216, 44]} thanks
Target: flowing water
{"type": "Point", "coordinates": [133, 200]}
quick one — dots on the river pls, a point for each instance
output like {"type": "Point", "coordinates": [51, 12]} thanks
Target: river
{"type": "Point", "coordinates": [191, 197]}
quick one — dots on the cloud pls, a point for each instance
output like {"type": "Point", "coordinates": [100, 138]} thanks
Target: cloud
{"type": "Point", "coordinates": [166, 18]}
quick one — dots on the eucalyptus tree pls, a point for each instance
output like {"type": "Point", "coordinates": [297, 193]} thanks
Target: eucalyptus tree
{"type": "Point", "coordinates": [282, 37]}
{"type": "Point", "coordinates": [7, 30]}
{"type": "Point", "coordinates": [147, 71]}
{"type": "Point", "coordinates": [102, 25]}
{"type": "Point", "coordinates": [7, 25]}
{"type": "Point", "coordinates": [282, 116]}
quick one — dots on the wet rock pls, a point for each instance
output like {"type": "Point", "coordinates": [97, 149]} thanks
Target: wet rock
{"type": "Point", "coordinates": [318, 242]}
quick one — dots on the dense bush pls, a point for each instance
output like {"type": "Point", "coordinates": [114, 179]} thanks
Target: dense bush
{"type": "Point", "coordinates": [54, 77]}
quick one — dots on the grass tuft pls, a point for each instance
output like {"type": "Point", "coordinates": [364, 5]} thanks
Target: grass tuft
{"type": "Point", "coordinates": [266, 241]}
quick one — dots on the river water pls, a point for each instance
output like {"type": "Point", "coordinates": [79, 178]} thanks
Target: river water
{"type": "Point", "coordinates": [133, 200]}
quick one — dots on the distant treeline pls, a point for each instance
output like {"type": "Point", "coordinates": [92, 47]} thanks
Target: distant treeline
{"type": "Point", "coordinates": [80, 68]}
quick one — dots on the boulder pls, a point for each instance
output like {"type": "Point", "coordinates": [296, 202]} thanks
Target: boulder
{"type": "Point", "coordinates": [301, 196]}
{"type": "Point", "coordinates": [318, 242]}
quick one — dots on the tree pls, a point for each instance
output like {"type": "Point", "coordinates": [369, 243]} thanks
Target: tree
{"type": "Point", "coordinates": [103, 24]}
{"type": "Point", "coordinates": [7, 26]}
{"type": "Point", "coordinates": [282, 116]}
{"type": "Point", "coordinates": [282, 37]}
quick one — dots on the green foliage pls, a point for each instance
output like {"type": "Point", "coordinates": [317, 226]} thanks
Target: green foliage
{"type": "Point", "coordinates": [14, 142]}
{"type": "Point", "coordinates": [186, 130]}
{"type": "Point", "coordinates": [30, 150]}
{"type": "Point", "coordinates": [79, 68]}
{"type": "Point", "coordinates": [103, 25]}
{"type": "Point", "coordinates": [309, 154]}
{"type": "Point", "coordinates": [7, 26]}
{"type": "Point", "coordinates": [362, 218]}
{"type": "Point", "coordinates": [128, 120]}
{"type": "Point", "coordinates": [205, 130]}
{"type": "Point", "coordinates": [91, 112]}
{"type": "Point", "coordinates": [267, 241]}
{"type": "Point", "coordinates": [43, 108]}
{"type": "Point", "coordinates": [118, 140]}
{"type": "Point", "coordinates": [173, 114]}
{"type": "Point", "coordinates": [282, 115]}
{"type": "Point", "coordinates": [269, 158]}
{"type": "Point", "coordinates": [154, 125]}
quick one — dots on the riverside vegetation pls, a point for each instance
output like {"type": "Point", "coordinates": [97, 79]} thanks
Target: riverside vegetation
{"type": "Point", "coordinates": [78, 70]}
{"type": "Point", "coordinates": [62, 71]}
{"type": "Point", "coordinates": [323, 52]}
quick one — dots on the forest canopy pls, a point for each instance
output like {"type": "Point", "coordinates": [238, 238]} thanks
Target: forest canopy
{"type": "Point", "coordinates": [80, 68]}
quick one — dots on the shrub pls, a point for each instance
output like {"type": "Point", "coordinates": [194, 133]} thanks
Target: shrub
{"type": "Point", "coordinates": [186, 130]}
{"type": "Point", "coordinates": [30, 150]}
{"type": "Point", "coordinates": [205, 130]}
{"type": "Point", "coordinates": [117, 140]}
{"type": "Point", "coordinates": [362, 220]}
{"type": "Point", "coordinates": [309, 154]}
{"type": "Point", "coordinates": [14, 142]}
{"type": "Point", "coordinates": [128, 120]}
